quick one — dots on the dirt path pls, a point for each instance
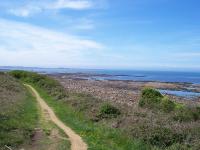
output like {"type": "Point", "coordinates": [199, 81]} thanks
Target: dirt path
{"type": "Point", "coordinates": [76, 141]}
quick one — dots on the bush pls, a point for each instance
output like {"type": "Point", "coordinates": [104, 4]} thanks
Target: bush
{"type": "Point", "coordinates": [150, 98]}
{"type": "Point", "coordinates": [153, 99]}
{"type": "Point", "coordinates": [187, 114]}
{"type": "Point", "coordinates": [178, 146]}
{"type": "Point", "coordinates": [164, 137]}
{"type": "Point", "coordinates": [107, 111]}
{"type": "Point", "coordinates": [51, 86]}
{"type": "Point", "coordinates": [157, 136]}
{"type": "Point", "coordinates": [167, 105]}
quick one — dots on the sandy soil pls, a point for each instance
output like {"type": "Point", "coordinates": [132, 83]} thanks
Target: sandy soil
{"type": "Point", "coordinates": [76, 141]}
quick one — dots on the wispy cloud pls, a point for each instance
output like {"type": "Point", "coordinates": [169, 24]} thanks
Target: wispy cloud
{"type": "Point", "coordinates": [33, 7]}
{"type": "Point", "coordinates": [72, 4]}
{"type": "Point", "coordinates": [22, 44]}
{"type": "Point", "coordinates": [25, 11]}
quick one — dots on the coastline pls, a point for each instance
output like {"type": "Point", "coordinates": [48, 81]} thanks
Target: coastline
{"type": "Point", "coordinates": [121, 91]}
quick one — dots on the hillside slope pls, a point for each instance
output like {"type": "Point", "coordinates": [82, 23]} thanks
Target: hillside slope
{"type": "Point", "coordinates": [156, 122]}
{"type": "Point", "coordinates": [22, 124]}
{"type": "Point", "coordinates": [18, 112]}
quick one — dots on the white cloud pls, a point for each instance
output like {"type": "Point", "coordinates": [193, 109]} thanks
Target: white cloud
{"type": "Point", "coordinates": [35, 7]}
{"type": "Point", "coordinates": [25, 11]}
{"type": "Point", "coordinates": [73, 4]}
{"type": "Point", "coordinates": [24, 44]}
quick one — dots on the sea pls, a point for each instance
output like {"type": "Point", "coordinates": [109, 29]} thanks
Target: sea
{"type": "Point", "coordinates": [129, 75]}
{"type": "Point", "coordinates": [135, 75]}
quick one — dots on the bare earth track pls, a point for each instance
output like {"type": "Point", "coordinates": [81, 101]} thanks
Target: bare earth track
{"type": "Point", "coordinates": [76, 141]}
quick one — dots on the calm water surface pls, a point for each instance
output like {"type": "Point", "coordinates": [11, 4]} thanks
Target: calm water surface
{"type": "Point", "coordinates": [97, 74]}
{"type": "Point", "coordinates": [162, 76]}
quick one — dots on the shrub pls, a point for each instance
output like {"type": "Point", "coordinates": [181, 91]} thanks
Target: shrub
{"type": "Point", "coordinates": [164, 137]}
{"type": "Point", "coordinates": [107, 110]}
{"type": "Point", "coordinates": [150, 97]}
{"type": "Point", "coordinates": [167, 105]}
{"type": "Point", "coordinates": [51, 86]}
{"type": "Point", "coordinates": [157, 135]}
{"type": "Point", "coordinates": [179, 106]}
{"type": "Point", "coordinates": [178, 146]}
{"type": "Point", "coordinates": [187, 114]}
{"type": "Point", "coordinates": [153, 99]}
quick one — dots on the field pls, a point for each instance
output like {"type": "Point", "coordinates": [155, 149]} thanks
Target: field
{"type": "Point", "coordinates": [22, 125]}
{"type": "Point", "coordinates": [156, 122]}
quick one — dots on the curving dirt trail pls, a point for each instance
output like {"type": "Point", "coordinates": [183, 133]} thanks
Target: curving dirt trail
{"type": "Point", "coordinates": [76, 141]}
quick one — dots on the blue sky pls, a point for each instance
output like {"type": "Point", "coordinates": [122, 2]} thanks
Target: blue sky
{"type": "Point", "coordinates": [117, 34]}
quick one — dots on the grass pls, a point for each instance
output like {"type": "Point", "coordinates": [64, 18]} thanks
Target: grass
{"type": "Point", "coordinates": [20, 116]}
{"type": "Point", "coordinates": [159, 122]}
{"type": "Point", "coordinates": [108, 111]}
{"type": "Point", "coordinates": [153, 99]}
{"type": "Point", "coordinates": [48, 127]}
{"type": "Point", "coordinates": [52, 87]}
{"type": "Point", "coordinates": [97, 136]}
{"type": "Point", "coordinates": [18, 122]}
{"type": "Point", "coordinates": [184, 116]}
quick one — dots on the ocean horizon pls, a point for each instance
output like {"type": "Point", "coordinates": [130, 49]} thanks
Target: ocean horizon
{"type": "Point", "coordinates": [114, 74]}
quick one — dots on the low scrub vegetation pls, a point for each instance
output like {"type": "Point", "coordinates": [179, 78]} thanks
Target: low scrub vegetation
{"type": "Point", "coordinates": [108, 111]}
{"type": "Point", "coordinates": [159, 122]}
{"type": "Point", "coordinates": [18, 113]}
{"type": "Point", "coordinates": [97, 136]}
{"type": "Point", "coordinates": [51, 86]}
{"type": "Point", "coordinates": [176, 114]}
{"type": "Point", "coordinates": [187, 114]}
{"type": "Point", "coordinates": [152, 98]}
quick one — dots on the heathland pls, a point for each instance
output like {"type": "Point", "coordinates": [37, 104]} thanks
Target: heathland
{"type": "Point", "coordinates": [23, 125]}
{"type": "Point", "coordinates": [151, 121]}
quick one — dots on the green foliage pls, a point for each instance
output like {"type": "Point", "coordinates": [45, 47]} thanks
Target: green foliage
{"type": "Point", "coordinates": [154, 128]}
{"type": "Point", "coordinates": [168, 136]}
{"type": "Point", "coordinates": [163, 137]}
{"type": "Point", "coordinates": [153, 99]}
{"type": "Point", "coordinates": [158, 136]}
{"type": "Point", "coordinates": [17, 126]}
{"type": "Point", "coordinates": [18, 113]}
{"type": "Point", "coordinates": [97, 136]}
{"type": "Point", "coordinates": [107, 110]}
{"type": "Point", "coordinates": [19, 117]}
{"type": "Point", "coordinates": [179, 106]}
{"type": "Point", "coordinates": [52, 87]}
{"type": "Point", "coordinates": [150, 98]}
{"type": "Point", "coordinates": [167, 105]}
{"type": "Point", "coordinates": [178, 146]}
{"type": "Point", "coordinates": [187, 114]}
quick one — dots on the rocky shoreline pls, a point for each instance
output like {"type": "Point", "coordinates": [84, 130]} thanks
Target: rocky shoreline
{"type": "Point", "coordinates": [117, 91]}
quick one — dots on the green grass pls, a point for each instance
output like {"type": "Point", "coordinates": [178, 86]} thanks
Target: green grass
{"type": "Point", "coordinates": [153, 99]}
{"type": "Point", "coordinates": [159, 122]}
{"type": "Point", "coordinates": [52, 87]}
{"type": "Point", "coordinates": [108, 111]}
{"type": "Point", "coordinates": [98, 137]}
{"type": "Point", "coordinates": [20, 116]}
{"type": "Point", "coordinates": [48, 126]}
{"type": "Point", "coordinates": [18, 126]}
